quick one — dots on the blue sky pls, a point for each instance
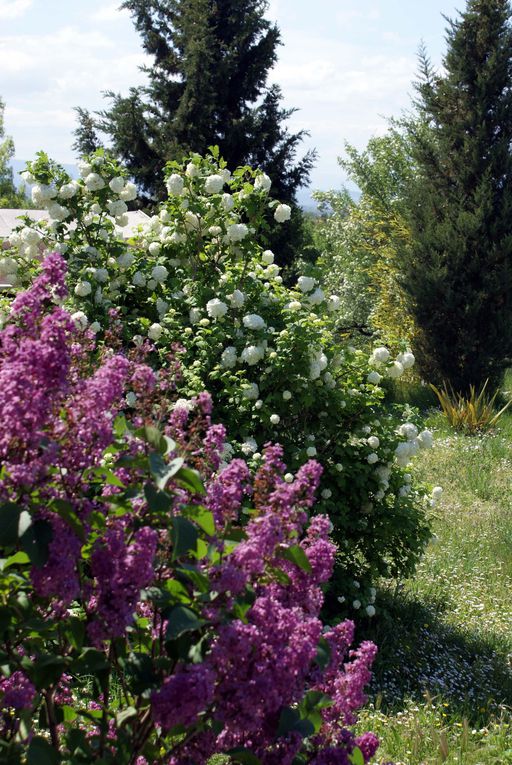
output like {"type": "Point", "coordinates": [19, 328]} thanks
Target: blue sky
{"type": "Point", "coordinates": [345, 64]}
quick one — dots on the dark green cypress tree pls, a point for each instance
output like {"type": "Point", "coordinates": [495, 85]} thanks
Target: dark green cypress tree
{"type": "Point", "coordinates": [207, 86]}
{"type": "Point", "coordinates": [458, 271]}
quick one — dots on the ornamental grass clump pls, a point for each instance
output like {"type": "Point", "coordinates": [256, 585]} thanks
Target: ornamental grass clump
{"type": "Point", "coordinates": [472, 413]}
{"type": "Point", "coordinates": [198, 279]}
{"type": "Point", "coordinates": [156, 604]}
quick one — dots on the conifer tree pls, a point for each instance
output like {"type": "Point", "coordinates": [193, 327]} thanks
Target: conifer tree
{"type": "Point", "coordinates": [207, 86]}
{"type": "Point", "coordinates": [458, 270]}
{"type": "Point", "coordinates": [9, 196]}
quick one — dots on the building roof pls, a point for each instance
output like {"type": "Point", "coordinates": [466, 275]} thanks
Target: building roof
{"type": "Point", "coordinates": [9, 220]}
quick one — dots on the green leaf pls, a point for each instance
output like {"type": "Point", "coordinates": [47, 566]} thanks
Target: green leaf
{"type": "Point", "coordinates": [158, 501]}
{"type": "Point", "coordinates": [41, 752]}
{"type": "Point", "coordinates": [47, 670]}
{"type": "Point", "coordinates": [244, 756]}
{"type": "Point", "coordinates": [66, 511]}
{"type": "Point", "coordinates": [127, 714]}
{"type": "Point", "coordinates": [9, 523]}
{"type": "Point", "coordinates": [356, 756]}
{"type": "Point", "coordinates": [323, 654]}
{"type": "Point", "coordinates": [89, 662]}
{"type": "Point", "coordinates": [163, 471]}
{"type": "Point", "coordinates": [205, 520]}
{"type": "Point", "coordinates": [182, 620]}
{"type": "Point", "coordinates": [184, 536]}
{"type": "Point", "coordinates": [190, 480]}
{"type": "Point", "coordinates": [19, 558]}
{"type": "Point", "coordinates": [287, 721]}
{"type": "Point", "coordinates": [296, 555]}
{"type": "Point", "coordinates": [36, 542]}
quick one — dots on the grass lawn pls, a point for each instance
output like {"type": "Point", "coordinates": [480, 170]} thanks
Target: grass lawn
{"type": "Point", "coordinates": [442, 690]}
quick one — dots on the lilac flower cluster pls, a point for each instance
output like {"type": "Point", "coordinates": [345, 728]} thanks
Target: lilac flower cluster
{"type": "Point", "coordinates": [229, 608]}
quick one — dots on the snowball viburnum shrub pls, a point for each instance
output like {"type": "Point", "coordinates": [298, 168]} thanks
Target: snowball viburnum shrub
{"type": "Point", "coordinates": [238, 328]}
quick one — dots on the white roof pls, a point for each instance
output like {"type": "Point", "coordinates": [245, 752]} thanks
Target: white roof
{"type": "Point", "coordinates": [9, 220]}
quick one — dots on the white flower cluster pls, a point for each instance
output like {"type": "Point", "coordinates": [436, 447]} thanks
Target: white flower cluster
{"type": "Point", "coordinates": [413, 443]}
{"type": "Point", "coordinates": [381, 358]}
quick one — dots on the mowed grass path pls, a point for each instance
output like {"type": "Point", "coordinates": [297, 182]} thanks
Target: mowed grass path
{"type": "Point", "coordinates": [442, 690]}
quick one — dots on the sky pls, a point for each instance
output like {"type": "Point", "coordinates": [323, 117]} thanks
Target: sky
{"type": "Point", "coordinates": [346, 65]}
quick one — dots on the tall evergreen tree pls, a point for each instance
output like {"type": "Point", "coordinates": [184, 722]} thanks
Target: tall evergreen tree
{"type": "Point", "coordinates": [9, 196]}
{"type": "Point", "coordinates": [458, 271]}
{"type": "Point", "coordinates": [207, 86]}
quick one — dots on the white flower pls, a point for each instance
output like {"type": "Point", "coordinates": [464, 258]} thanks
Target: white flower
{"type": "Point", "coordinates": [237, 299]}
{"type": "Point", "coordinates": [326, 493]}
{"type": "Point", "coordinates": [318, 363]}
{"type": "Point", "coordinates": [68, 190]}
{"type": "Point", "coordinates": [30, 236]}
{"type": "Point", "coordinates": [216, 308]}
{"type": "Point", "coordinates": [214, 184]}
{"type": "Point", "coordinates": [139, 280]}
{"type": "Point", "coordinates": [294, 305]}
{"type": "Point", "coordinates": [215, 230]}
{"type": "Point", "coordinates": [129, 193]}
{"type": "Point", "coordinates": [161, 306]}
{"type": "Point", "coordinates": [356, 604]}
{"type": "Point", "coordinates": [194, 315]}
{"type": "Point", "coordinates": [236, 232]}
{"type": "Point", "coordinates": [262, 183]}
{"type": "Point", "coordinates": [117, 208]}
{"type": "Point", "coordinates": [380, 355]}
{"type": "Point", "coordinates": [155, 332]}
{"type": "Point", "coordinates": [253, 321]}
{"type": "Point", "coordinates": [58, 212]}
{"type": "Point", "coordinates": [282, 213]}
{"type": "Point", "coordinates": [407, 360]}
{"type": "Point", "coordinates": [408, 430]}
{"type": "Point", "coordinates": [94, 182]}
{"type": "Point", "coordinates": [316, 297]}
{"type": "Point", "coordinates": [306, 283]}
{"type": "Point", "coordinates": [287, 395]}
{"type": "Point", "coordinates": [83, 288]}
{"type": "Point", "coordinates": [288, 477]}
{"type": "Point", "coordinates": [311, 451]}
{"type": "Point", "coordinates": [192, 222]}
{"type": "Point", "coordinates": [249, 446]}
{"type": "Point", "coordinates": [227, 202]}
{"type": "Point", "coordinates": [334, 303]}
{"type": "Point", "coordinates": [95, 327]}
{"type": "Point", "coordinates": [131, 398]}
{"type": "Point", "coordinates": [258, 404]}
{"type": "Point", "coordinates": [174, 184]}
{"type": "Point", "coordinates": [192, 170]}
{"type": "Point", "coordinates": [437, 492]}
{"type": "Point", "coordinates": [373, 442]}
{"type": "Point", "coordinates": [122, 220]}
{"type": "Point", "coordinates": [154, 248]}
{"type": "Point", "coordinates": [252, 354]}
{"type": "Point", "coordinates": [372, 458]}
{"type": "Point", "coordinates": [84, 168]}
{"type": "Point", "coordinates": [426, 439]}
{"type": "Point", "coordinates": [117, 184]}
{"type": "Point", "coordinates": [275, 419]}
{"type": "Point", "coordinates": [267, 257]}
{"type": "Point", "coordinates": [101, 275]}
{"type": "Point", "coordinates": [339, 467]}
{"type": "Point", "coordinates": [80, 319]}
{"type": "Point", "coordinates": [374, 378]}
{"type": "Point", "coordinates": [42, 193]}
{"type": "Point", "coordinates": [395, 371]}
{"type": "Point", "coordinates": [370, 610]}
{"type": "Point", "coordinates": [251, 391]}
{"type": "Point", "coordinates": [159, 273]}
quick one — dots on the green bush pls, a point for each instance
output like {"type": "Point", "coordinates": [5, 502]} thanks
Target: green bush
{"type": "Point", "coordinates": [194, 280]}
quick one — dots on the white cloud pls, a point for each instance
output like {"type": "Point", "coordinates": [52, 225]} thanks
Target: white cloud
{"type": "Point", "coordinates": [111, 12]}
{"type": "Point", "coordinates": [13, 9]}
